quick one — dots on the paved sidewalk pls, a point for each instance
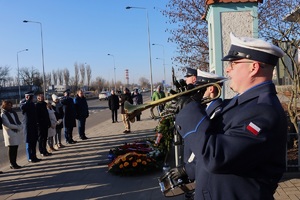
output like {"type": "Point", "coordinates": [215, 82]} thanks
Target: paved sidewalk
{"type": "Point", "coordinates": [79, 171]}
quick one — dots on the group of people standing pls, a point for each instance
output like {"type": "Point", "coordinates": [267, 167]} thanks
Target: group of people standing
{"type": "Point", "coordinates": [115, 102]}
{"type": "Point", "coordinates": [42, 123]}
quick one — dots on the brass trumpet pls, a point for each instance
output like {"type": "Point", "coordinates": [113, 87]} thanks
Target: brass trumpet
{"type": "Point", "coordinates": [133, 110]}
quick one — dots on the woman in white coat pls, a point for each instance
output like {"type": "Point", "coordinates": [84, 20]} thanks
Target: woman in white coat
{"type": "Point", "coordinates": [52, 129]}
{"type": "Point", "coordinates": [12, 128]}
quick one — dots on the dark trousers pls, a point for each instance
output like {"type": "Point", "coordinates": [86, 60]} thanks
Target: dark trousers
{"type": "Point", "coordinates": [43, 144]}
{"type": "Point", "coordinates": [138, 118]}
{"type": "Point", "coordinates": [68, 133]}
{"type": "Point", "coordinates": [114, 115]}
{"type": "Point", "coordinates": [43, 136]}
{"type": "Point", "coordinates": [81, 127]}
{"type": "Point", "coordinates": [12, 154]}
{"type": "Point", "coordinates": [31, 150]}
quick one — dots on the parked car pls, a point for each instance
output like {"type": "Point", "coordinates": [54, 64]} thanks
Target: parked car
{"type": "Point", "coordinates": [104, 95]}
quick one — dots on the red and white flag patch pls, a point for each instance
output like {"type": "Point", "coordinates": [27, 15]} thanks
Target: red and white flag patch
{"type": "Point", "coordinates": [253, 128]}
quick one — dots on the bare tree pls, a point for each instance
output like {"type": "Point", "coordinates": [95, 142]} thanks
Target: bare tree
{"type": "Point", "coordinates": [88, 75]}
{"type": "Point", "coordinates": [31, 76]}
{"type": "Point", "coordinates": [76, 76]}
{"type": "Point", "coordinates": [285, 34]}
{"type": "Point", "coordinates": [54, 75]}
{"type": "Point", "coordinates": [66, 76]}
{"type": "Point", "coordinates": [60, 76]}
{"type": "Point", "coordinates": [144, 82]}
{"type": "Point", "coordinates": [190, 34]}
{"type": "Point", "coordinates": [82, 73]}
{"type": "Point", "coordinates": [4, 71]}
{"type": "Point", "coordinates": [48, 79]}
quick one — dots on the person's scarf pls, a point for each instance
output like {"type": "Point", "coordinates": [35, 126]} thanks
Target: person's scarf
{"type": "Point", "coordinates": [10, 119]}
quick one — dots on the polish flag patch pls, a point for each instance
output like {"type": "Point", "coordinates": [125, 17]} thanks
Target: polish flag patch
{"type": "Point", "coordinates": [253, 128]}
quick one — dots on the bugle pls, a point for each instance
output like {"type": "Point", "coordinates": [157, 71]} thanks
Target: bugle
{"type": "Point", "coordinates": [133, 110]}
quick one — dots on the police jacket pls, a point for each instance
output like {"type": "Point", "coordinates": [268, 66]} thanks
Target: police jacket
{"type": "Point", "coordinates": [213, 109]}
{"type": "Point", "coordinates": [241, 153]}
{"type": "Point", "coordinates": [29, 121]}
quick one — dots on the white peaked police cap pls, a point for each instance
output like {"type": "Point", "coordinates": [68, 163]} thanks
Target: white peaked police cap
{"type": "Point", "coordinates": [207, 77]}
{"type": "Point", "coordinates": [253, 49]}
{"type": "Point", "coordinates": [54, 97]}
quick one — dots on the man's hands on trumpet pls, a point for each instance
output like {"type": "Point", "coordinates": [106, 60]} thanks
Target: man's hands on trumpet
{"type": "Point", "coordinates": [178, 173]}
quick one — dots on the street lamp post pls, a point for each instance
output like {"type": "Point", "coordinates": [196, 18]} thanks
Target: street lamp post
{"type": "Point", "coordinates": [163, 63]}
{"type": "Point", "coordinates": [164, 73]}
{"type": "Point", "coordinates": [19, 72]}
{"type": "Point", "coordinates": [149, 45]}
{"type": "Point", "coordinates": [114, 70]}
{"type": "Point", "coordinates": [44, 79]}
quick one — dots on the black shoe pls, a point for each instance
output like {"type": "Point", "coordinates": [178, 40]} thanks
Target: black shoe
{"type": "Point", "coordinates": [15, 167]}
{"type": "Point", "coordinates": [1, 172]}
{"type": "Point", "coordinates": [126, 131]}
{"type": "Point", "coordinates": [74, 141]}
{"type": "Point", "coordinates": [34, 160]}
{"type": "Point", "coordinates": [84, 138]}
{"type": "Point", "coordinates": [47, 154]}
{"type": "Point", "coordinates": [70, 142]}
{"type": "Point", "coordinates": [112, 122]}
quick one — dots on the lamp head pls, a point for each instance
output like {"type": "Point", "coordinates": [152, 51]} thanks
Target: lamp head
{"type": "Point", "coordinates": [25, 21]}
{"type": "Point", "coordinates": [128, 7]}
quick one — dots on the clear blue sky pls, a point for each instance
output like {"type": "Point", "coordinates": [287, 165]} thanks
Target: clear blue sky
{"type": "Point", "coordinates": [85, 31]}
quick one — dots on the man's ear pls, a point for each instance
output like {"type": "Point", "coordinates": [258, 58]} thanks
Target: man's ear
{"type": "Point", "coordinates": [254, 68]}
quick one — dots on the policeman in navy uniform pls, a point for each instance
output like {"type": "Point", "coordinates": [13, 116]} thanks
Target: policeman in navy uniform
{"type": "Point", "coordinates": [212, 109]}
{"type": "Point", "coordinates": [190, 78]}
{"type": "Point", "coordinates": [240, 154]}
{"type": "Point", "coordinates": [28, 109]}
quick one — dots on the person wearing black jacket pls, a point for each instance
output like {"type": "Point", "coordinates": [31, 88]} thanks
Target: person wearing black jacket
{"type": "Point", "coordinates": [69, 120]}
{"type": "Point", "coordinates": [59, 114]}
{"type": "Point", "coordinates": [30, 126]}
{"type": "Point", "coordinates": [126, 96]}
{"type": "Point", "coordinates": [113, 105]}
{"type": "Point", "coordinates": [43, 123]}
{"type": "Point", "coordinates": [137, 99]}
{"type": "Point", "coordinates": [82, 112]}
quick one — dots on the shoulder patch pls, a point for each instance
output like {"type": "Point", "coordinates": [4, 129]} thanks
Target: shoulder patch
{"type": "Point", "coordinates": [254, 129]}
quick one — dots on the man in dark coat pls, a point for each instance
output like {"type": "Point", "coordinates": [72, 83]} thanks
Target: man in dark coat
{"type": "Point", "coordinates": [241, 153]}
{"type": "Point", "coordinates": [43, 123]}
{"type": "Point", "coordinates": [126, 96]}
{"type": "Point", "coordinates": [59, 114]}
{"type": "Point", "coordinates": [113, 105]}
{"type": "Point", "coordinates": [69, 120]}
{"type": "Point", "coordinates": [30, 126]}
{"type": "Point", "coordinates": [82, 112]}
{"type": "Point", "coordinates": [137, 99]}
